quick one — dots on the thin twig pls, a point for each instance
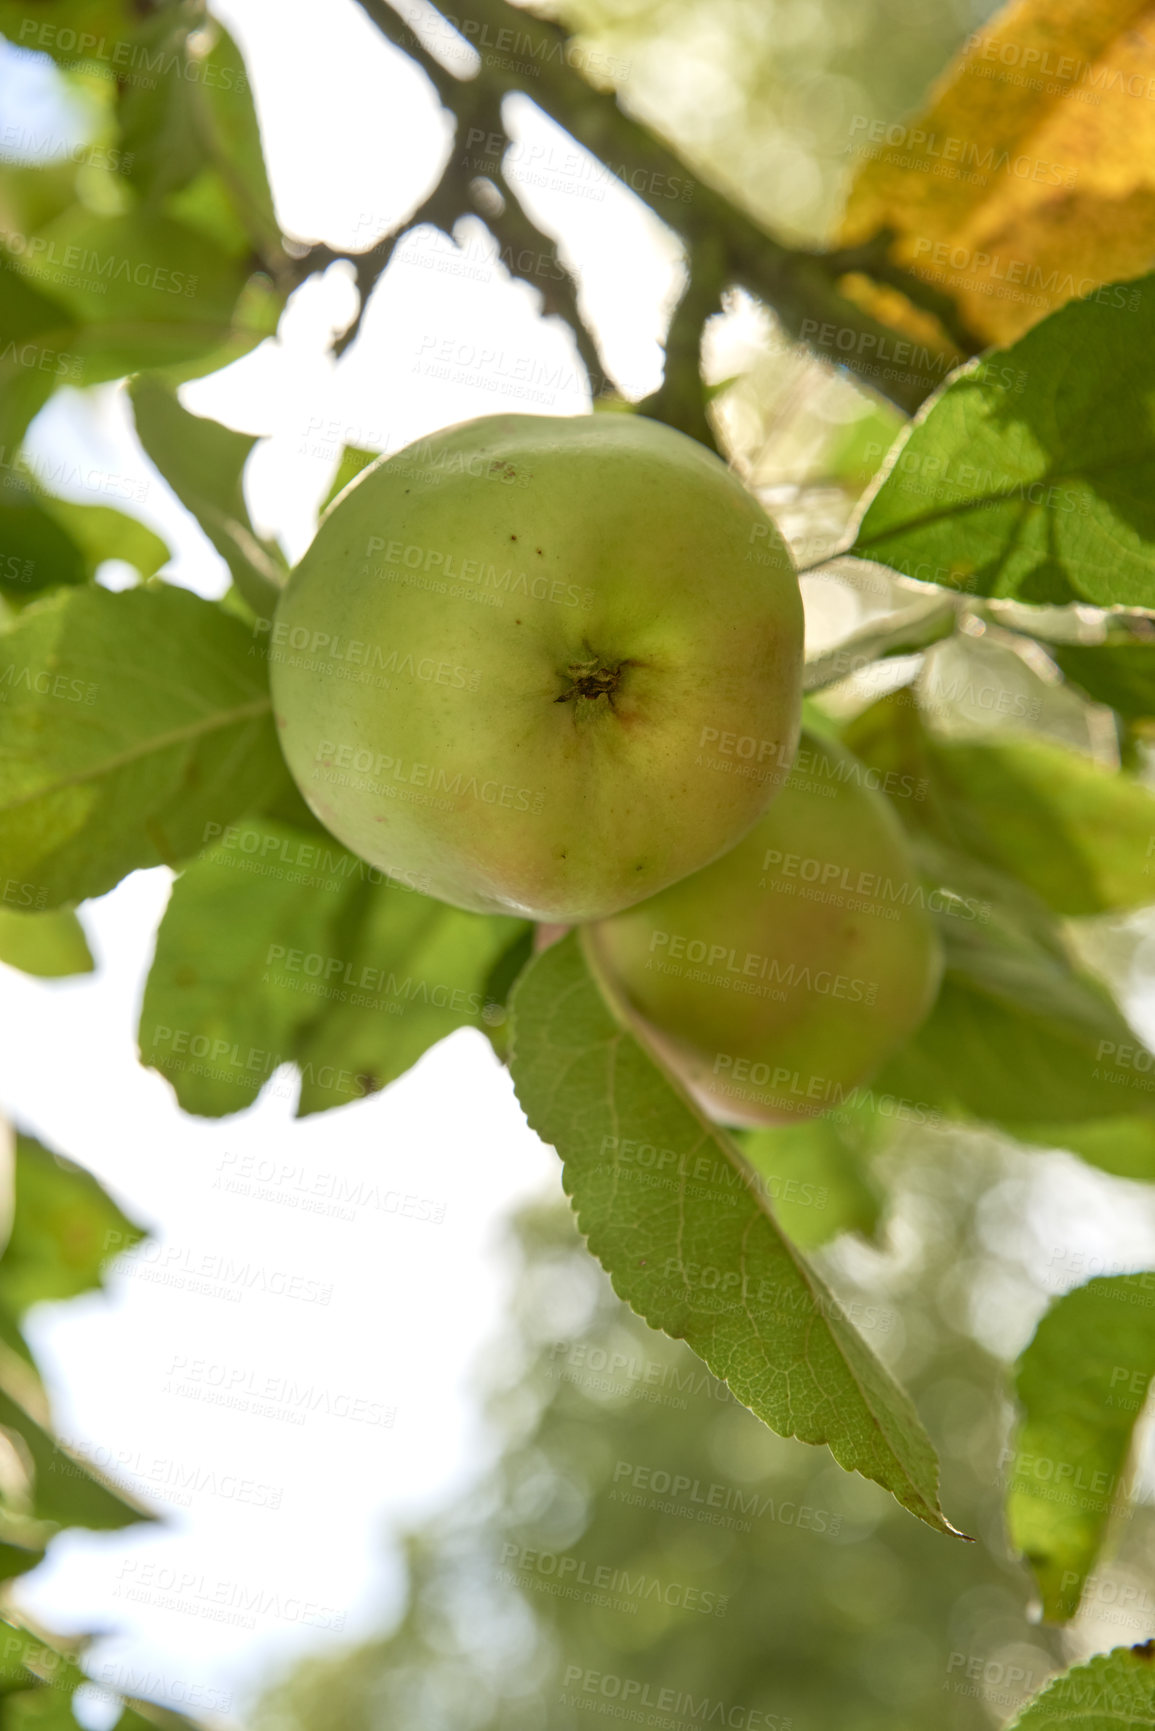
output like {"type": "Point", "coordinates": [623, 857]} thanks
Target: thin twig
{"type": "Point", "coordinates": [521, 52]}
{"type": "Point", "coordinates": [724, 245]}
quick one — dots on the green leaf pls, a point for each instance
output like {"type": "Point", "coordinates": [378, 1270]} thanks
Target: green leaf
{"type": "Point", "coordinates": [1123, 1146]}
{"type": "Point", "coordinates": [498, 989]}
{"type": "Point", "coordinates": [17, 1560]}
{"type": "Point", "coordinates": [1080, 836]}
{"type": "Point", "coordinates": [38, 1680]}
{"type": "Point", "coordinates": [36, 551]}
{"type": "Point", "coordinates": [675, 1216]}
{"type": "Point", "coordinates": [47, 28]}
{"type": "Point", "coordinates": [148, 1716]}
{"type": "Point", "coordinates": [984, 1057]}
{"type": "Point", "coordinates": [101, 532]}
{"type": "Point", "coordinates": [34, 193]}
{"type": "Point", "coordinates": [243, 947]}
{"type": "Point", "coordinates": [1121, 675]}
{"type": "Point", "coordinates": [160, 141]}
{"type": "Point", "coordinates": [134, 723]}
{"type": "Point", "coordinates": [193, 140]}
{"type": "Point", "coordinates": [969, 890]}
{"type": "Point", "coordinates": [411, 971]}
{"type": "Point", "coordinates": [817, 1175]}
{"type": "Point", "coordinates": [65, 1228]}
{"type": "Point", "coordinates": [1032, 474]}
{"type": "Point", "coordinates": [1018, 1034]}
{"type": "Point", "coordinates": [1114, 1690]}
{"type": "Point", "coordinates": [147, 289]}
{"type": "Point", "coordinates": [44, 1709]}
{"type": "Point", "coordinates": [51, 946]}
{"type": "Point", "coordinates": [1081, 1383]}
{"type": "Point", "coordinates": [353, 460]}
{"type": "Point", "coordinates": [45, 343]}
{"type": "Point", "coordinates": [228, 126]}
{"type": "Point", "coordinates": [255, 317]}
{"type": "Point", "coordinates": [47, 543]}
{"type": "Point", "coordinates": [203, 464]}
{"type": "Point", "coordinates": [65, 1489]}
{"type": "Point", "coordinates": [237, 134]}
{"type": "Point", "coordinates": [37, 353]}
{"type": "Point", "coordinates": [23, 1659]}
{"type": "Point", "coordinates": [21, 1361]}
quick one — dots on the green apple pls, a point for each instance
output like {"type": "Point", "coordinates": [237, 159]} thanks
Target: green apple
{"type": "Point", "coordinates": [781, 977]}
{"type": "Point", "coordinates": [541, 665]}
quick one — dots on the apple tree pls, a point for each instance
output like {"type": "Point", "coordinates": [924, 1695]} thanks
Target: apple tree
{"type": "Point", "coordinates": [980, 311]}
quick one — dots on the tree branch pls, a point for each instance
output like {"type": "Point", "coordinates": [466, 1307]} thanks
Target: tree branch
{"type": "Point", "coordinates": [533, 257]}
{"type": "Point", "coordinates": [535, 57]}
{"type": "Point", "coordinates": [527, 252]}
{"type": "Point", "coordinates": [681, 398]}
{"type": "Point", "coordinates": [393, 27]}
{"type": "Point", "coordinates": [521, 53]}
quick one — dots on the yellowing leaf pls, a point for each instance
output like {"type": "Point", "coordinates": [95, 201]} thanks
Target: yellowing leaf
{"type": "Point", "coordinates": [1029, 180]}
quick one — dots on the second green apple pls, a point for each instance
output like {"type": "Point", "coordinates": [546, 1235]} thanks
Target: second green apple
{"type": "Point", "coordinates": [781, 977]}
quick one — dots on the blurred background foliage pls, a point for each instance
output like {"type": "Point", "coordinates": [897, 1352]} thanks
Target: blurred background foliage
{"type": "Point", "coordinates": [763, 99]}
{"type": "Point", "coordinates": [840, 1611]}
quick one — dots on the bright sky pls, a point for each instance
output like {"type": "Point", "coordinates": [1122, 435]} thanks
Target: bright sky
{"type": "Point", "coordinates": [297, 1516]}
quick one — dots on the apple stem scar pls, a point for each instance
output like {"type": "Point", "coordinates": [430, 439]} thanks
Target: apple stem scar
{"type": "Point", "coordinates": [592, 679]}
